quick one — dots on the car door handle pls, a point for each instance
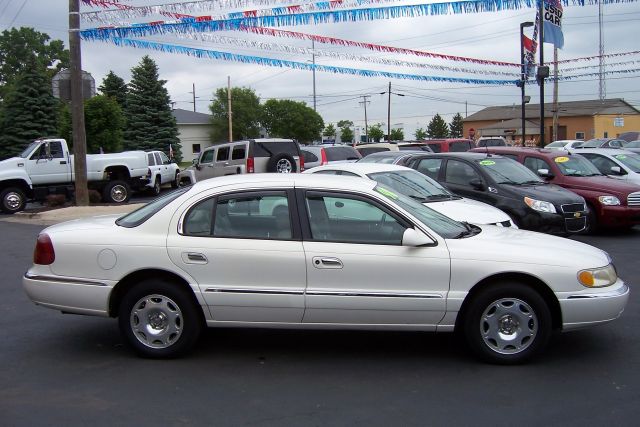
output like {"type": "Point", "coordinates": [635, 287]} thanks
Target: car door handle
{"type": "Point", "coordinates": [194, 258]}
{"type": "Point", "coordinates": [226, 163]}
{"type": "Point", "coordinates": [63, 162]}
{"type": "Point", "coordinates": [327, 262]}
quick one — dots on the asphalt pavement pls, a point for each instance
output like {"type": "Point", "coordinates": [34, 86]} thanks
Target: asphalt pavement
{"type": "Point", "coordinates": [74, 370]}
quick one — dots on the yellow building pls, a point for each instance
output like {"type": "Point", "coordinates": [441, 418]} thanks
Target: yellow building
{"type": "Point", "coordinates": [576, 120]}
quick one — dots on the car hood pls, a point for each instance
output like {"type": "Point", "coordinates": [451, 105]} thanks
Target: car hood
{"type": "Point", "coordinates": [469, 210]}
{"type": "Point", "coordinates": [510, 245]}
{"type": "Point", "coordinates": [602, 183]}
{"type": "Point", "coordinates": [548, 193]}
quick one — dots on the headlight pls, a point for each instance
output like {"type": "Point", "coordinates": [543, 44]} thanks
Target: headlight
{"type": "Point", "coordinates": [609, 200]}
{"type": "Point", "coordinates": [539, 205]}
{"type": "Point", "coordinates": [598, 277]}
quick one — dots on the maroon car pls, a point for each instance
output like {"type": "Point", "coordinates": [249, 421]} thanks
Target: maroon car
{"type": "Point", "coordinates": [612, 203]}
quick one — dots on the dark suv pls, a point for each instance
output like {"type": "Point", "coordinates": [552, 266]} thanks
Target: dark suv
{"type": "Point", "coordinates": [531, 202]}
{"type": "Point", "coordinates": [613, 203]}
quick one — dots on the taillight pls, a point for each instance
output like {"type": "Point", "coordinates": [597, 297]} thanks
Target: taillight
{"type": "Point", "coordinates": [323, 157]}
{"type": "Point", "coordinates": [44, 253]}
{"type": "Point", "coordinates": [250, 165]}
{"type": "Point", "coordinates": [301, 163]}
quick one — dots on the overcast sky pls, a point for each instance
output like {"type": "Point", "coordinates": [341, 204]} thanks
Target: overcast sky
{"type": "Point", "coordinates": [482, 35]}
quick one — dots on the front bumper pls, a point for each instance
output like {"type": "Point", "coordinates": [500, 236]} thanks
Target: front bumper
{"type": "Point", "coordinates": [618, 216]}
{"type": "Point", "coordinates": [593, 306]}
{"type": "Point", "coordinates": [553, 223]}
{"type": "Point", "coordinates": [70, 295]}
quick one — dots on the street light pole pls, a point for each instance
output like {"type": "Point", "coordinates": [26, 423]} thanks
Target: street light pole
{"type": "Point", "coordinates": [523, 75]}
{"type": "Point", "coordinates": [543, 72]}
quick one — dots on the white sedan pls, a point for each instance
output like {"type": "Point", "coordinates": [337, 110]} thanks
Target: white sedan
{"type": "Point", "coordinates": [614, 162]}
{"type": "Point", "coordinates": [276, 250]}
{"type": "Point", "coordinates": [420, 187]}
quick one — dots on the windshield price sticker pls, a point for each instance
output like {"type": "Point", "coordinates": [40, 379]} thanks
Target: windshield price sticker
{"type": "Point", "coordinates": [387, 193]}
{"type": "Point", "coordinates": [620, 156]}
{"type": "Point", "coordinates": [487, 162]}
{"type": "Point", "coordinates": [562, 159]}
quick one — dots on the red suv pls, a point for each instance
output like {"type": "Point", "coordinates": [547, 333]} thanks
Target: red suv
{"type": "Point", "coordinates": [611, 202]}
{"type": "Point", "coordinates": [450, 145]}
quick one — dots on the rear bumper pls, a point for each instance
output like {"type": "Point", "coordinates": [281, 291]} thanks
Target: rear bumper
{"type": "Point", "coordinates": [67, 294]}
{"type": "Point", "coordinates": [581, 309]}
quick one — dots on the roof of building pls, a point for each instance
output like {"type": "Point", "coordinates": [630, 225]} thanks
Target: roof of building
{"type": "Point", "coordinates": [571, 108]}
{"type": "Point", "coordinates": [186, 117]}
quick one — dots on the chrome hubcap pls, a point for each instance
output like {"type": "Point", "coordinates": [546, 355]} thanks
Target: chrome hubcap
{"type": "Point", "coordinates": [12, 201]}
{"type": "Point", "coordinates": [283, 166]}
{"type": "Point", "coordinates": [118, 193]}
{"type": "Point", "coordinates": [156, 321]}
{"type": "Point", "coordinates": [508, 326]}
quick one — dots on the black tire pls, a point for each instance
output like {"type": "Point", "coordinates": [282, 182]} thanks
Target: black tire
{"type": "Point", "coordinates": [176, 181]}
{"type": "Point", "coordinates": [281, 163]}
{"type": "Point", "coordinates": [116, 191]}
{"type": "Point", "coordinates": [522, 329]}
{"type": "Point", "coordinates": [592, 220]}
{"type": "Point", "coordinates": [155, 190]}
{"type": "Point", "coordinates": [170, 338]}
{"type": "Point", "coordinates": [12, 200]}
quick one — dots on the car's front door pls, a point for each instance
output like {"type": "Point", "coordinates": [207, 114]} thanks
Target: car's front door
{"type": "Point", "coordinates": [358, 272]}
{"type": "Point", "coordinates": [206, 167]}
{"type": "Point", "coordinates": [245, 253]}
{"type": "Point", "coordinates": [50, 167]}
{"type": "Point", "coordinates": [459, 177]}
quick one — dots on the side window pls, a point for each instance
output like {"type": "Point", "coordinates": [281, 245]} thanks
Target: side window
{"type": "Point", "coordinates": [198, 220]}
{"type": "Point", "coordinates": [352, 220]}
{"type": "Point", "coordinates": [603, 164]}
{"type": "Point", "coordinates": [253, 216]}
{"type": "Point", "coordinates": [459, 146]}
{"type": "Point", "coordinates": [151, 159]}
{"type": "Point", "coordinates": [238, 152]}
{"type": "Point", "coordinates": [223, 154]}
{"type": "Point", "coordinates": [158, 158]}
{"type": "Point", "coordinates": [325, 172]}
{"type": "Point", "coordinates": [309, 157]}
{"type": "Point", "coordinates": [534, 164]}
{"type": "Point", "coordinates": [56, 149]}
{"type": "Point", "coordinates": [510, 156]}
{"type": "Point", "coordinates": [429, 167]}
{"type": "Point", "coordinates": [345, 173]}
{"type": "Point", "coordinates": [460, 173]}
{"type": "Point", "coordinates": [207, 156]}
{"type": "Point", "coordinates": [164, 158]}
{"type": "Point", "coordinates": [436, 148]}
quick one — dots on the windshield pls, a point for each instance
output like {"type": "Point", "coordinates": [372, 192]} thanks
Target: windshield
{"type": "Point", "coordinates": [632, 144]}
{"type": "Point", "coordinates": [413, 184]}
{"type": "Point", "coordinates": [145, 212]}
{"type": "Point", "coordinates": [557, 144]}
{"type": "Point", "coordinates": [632, 161]}
{"type": "Point", "coordinates": [593, 143]}
{"type": "Point", "coordinates": [576, 166]}
{"type": "Point", "coordinates": [443, 225]}
{"type": "Point", "coordinates": [25, 153]}
{"type": "Point", "coordinates": [507, 171]}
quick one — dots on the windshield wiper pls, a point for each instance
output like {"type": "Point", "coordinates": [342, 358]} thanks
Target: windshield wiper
{"type": "Point", "coordinates": [468, 232]}
{"type": "Point", "coordinates": [440, 197]}
{"type": "Point", "coordinates": [532, 182]}
{"type": "Point", "coordinates": [421, 199]}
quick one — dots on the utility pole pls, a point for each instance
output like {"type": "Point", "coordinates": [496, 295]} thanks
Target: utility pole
{"type": "Point", "coordinates": [389, 116]}
{"type": "Point", "coordinates": [193, 92]}
{"type": "Point", "coordinates": [555, 94]}
{"type": "Point", "coordinates": [77, 107]}
{"type": "Point", "coordinates": [313, 62]}
{"type": "Point", "coordinates": [366, 127]}
{"type": "Point", "coordinates": [543, 72]}
{"type": "Point", "coordinates": [602, 89]}
{"type": "Point", "coordinates": [229, 112]}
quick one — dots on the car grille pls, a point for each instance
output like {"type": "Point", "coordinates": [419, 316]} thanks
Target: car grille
{"type": "Point", "coordinates": [575, 216]}
{"type": "Point", "coordinates": [633, 199]}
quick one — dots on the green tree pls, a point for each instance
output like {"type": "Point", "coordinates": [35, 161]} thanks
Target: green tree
{"type": "Point", "coordinates": [420, 134]}
{"type": "Point", "coordinates": [20, 47]}
{"type": "Point", "coordinates": [375, 132]}
{"type": "Point", "coordinates": [291, 119]}
{"type": "Point", "coordinates": [346, 133]}
{"type": "Point", "coordinates": [104, 125]}
{"type": "Point", "coordinates": [150, 123]}
{"type": "Point", "coordinates": [115, 87]}
{"type": "Point", "coordinates": [246, 114]}
{"type": "Point", "coordinates": [397, 135]}
{"type": "Point", "coordinates": [456, 126]}
{"type": "Point", "coordinates": [30, 111]}
{"type": "Point", "coordinates": [329, 131]}
{"type": "Point", "coordinates": [437, 127]}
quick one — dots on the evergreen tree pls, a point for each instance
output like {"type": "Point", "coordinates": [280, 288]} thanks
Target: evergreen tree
{"type": "Point", "coordinates": [346, 134]}
{"type": "Point", "coordinates": [455, 126]}
{"type": "Point", "coordinates": [397, 135]}
{"type": "Point", "coordinates": [375, 132]}
{"type": "Point", "coordinates": [29, 111]}
{"type": "Point", "coordinates": [115, 87]}
{"type": "Point", "coordinates": [420, 134]}
{"type": "Point", "coordinates": [150, 123]}
{"type": "Point", "coordinates": [437, 127]}
{"type": "Point", "coordinates": [329, 131]}
{"type": "Point", "coordinates": [246, 114]}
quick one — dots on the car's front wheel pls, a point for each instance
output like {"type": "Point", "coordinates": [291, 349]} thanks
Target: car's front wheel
{"type": "Point", "coordinates": [12, 200]}
{"type": "Point", "coordinates": [159, 320]}
{"type": "Point", "coordinates": [507, 323]}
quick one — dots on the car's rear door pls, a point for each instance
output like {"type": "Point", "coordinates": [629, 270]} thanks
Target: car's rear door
{"type": "Point", "coordinates": [359, 273]}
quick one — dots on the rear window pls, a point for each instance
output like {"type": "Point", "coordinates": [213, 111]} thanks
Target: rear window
{"type": "Point", "coordinates": [269, 149]}
{"type": "Point", "coordinates": [308, 156]}
{"type": "Point", "coordinates": [491, 142]}
{"type": "Point", "coordinates": [436, 148]}
{"type": "Point", "coordinates": [459, 146]}
{"type": "Point", "coordinates": [140, 215]}
{"type": "Point", "coordinates": [365, 151]}
{"type": "Point", "coordinates": [341, 153]}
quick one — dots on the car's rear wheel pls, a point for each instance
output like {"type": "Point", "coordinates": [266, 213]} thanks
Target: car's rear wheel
{"type": "Point", "coordinates": [116, 192]}
{"type": "Point", "coordinates": [159, 320]}
{"type": "Point", "coordinates": [155, 190]}
{"type": "Point", "coordinates": [507, 323]}
{"type": "Point", "coordinates": [176, 181]}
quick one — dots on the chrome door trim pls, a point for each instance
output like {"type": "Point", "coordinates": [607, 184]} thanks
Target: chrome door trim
{"type": "Point", "coordinates": [374, 294]}
{"type": "Point", "coordinates": [254, 291]}
{"type": "Point", "coordinates": [69, 281]}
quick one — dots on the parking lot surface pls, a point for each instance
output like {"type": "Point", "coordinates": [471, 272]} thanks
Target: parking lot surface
{"type": "Point", "coordinates": [71, 370]}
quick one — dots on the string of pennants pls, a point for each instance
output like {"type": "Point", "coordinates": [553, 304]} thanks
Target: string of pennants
{"type": "Point", "coordinates": [184, 25]}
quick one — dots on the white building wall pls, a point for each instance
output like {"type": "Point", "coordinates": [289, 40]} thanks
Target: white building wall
{"type": "Point", "coordinates": [192, 135]}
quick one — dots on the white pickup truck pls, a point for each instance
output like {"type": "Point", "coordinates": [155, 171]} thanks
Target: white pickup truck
{"type": "Point", "coordinates": [161, 171]}
{"type": "Point", "coordinates": [46, 167]}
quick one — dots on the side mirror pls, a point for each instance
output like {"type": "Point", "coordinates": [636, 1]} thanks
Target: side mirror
{"type": "Point", "coordinates": [477, 184]}
{"type": "Point", "coordinates": [545, 173]}
{"type": "Point", "coordinates": [415, 238]}
{"type": "Point", "coordinates": [617, 170]}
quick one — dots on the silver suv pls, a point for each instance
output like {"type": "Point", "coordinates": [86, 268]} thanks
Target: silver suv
{"type": "Point", "coordinates": [248, 156]}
